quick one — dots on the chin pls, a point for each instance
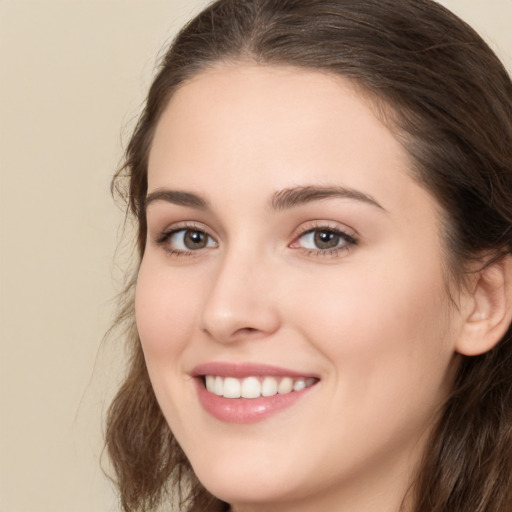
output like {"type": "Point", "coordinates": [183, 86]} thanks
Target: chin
{"type": "Point", "coordinates": [247, 483]}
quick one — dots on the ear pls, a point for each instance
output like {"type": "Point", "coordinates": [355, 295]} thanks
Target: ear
{"type": "Point", "coordinates": [489, 309]}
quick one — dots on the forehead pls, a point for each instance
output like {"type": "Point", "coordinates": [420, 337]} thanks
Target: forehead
{"type": "Point", "coordinates": [266, 128]}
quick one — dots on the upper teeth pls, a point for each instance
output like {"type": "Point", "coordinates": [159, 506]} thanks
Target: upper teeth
{"type": "Point", "coordinates": [254, 387]}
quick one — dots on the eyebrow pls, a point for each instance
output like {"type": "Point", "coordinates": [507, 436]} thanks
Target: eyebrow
{"type": "Point", "coordinates": [296, 196]}
{"type": "Point", "coordinates": [177, 197]}
{"type": "Point", "coordinates": [281, 200]}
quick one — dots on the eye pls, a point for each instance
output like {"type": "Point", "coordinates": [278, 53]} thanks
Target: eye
{"type": "Point", "coordinates": [324, 240]}
{"type": "Point", "coordinates": [186, 240]}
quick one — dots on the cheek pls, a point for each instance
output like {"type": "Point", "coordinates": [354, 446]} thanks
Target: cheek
{"type": "Point", "coordinates": [386, 328]}
{"type": "Point", "coordinates": [165, 309]}
{"type": "Point", "coordinates": [385, 341]}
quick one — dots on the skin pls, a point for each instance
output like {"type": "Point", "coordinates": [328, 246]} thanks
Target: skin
{"type": "Point", "coordinates": [372, 319]}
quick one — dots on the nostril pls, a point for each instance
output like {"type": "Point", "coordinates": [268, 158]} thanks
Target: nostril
{"type": "Point", "coordinates": [246, 332]}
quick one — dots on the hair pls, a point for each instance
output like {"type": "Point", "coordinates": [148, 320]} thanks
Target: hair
{"type": "Point", "coordinates": [448, 100]}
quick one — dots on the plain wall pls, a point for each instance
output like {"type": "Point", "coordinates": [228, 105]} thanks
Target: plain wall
{"type": "Point", "coordinates": [72, 76]}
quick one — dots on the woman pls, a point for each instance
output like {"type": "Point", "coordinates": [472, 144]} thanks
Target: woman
{"type": "Point", "coordinates": [323, 305]}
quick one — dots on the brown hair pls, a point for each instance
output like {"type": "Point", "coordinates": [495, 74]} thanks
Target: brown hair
{"type": "Point", "coordinates": [448, 99]}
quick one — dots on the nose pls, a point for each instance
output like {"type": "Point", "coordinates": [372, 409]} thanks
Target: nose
{"type": "Point", "coordinates": [240, 304]}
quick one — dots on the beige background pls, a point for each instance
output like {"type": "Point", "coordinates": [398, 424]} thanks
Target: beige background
{"type": "Point", "coordinates": [72, 76]}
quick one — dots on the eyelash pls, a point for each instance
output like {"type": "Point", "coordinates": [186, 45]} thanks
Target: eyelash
{"type": "Point", "coordinates": [165, 237]}
{"type": "Point", "coordinates": [348, 239]}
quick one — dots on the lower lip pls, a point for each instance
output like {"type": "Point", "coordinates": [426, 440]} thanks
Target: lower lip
{"type": "Point", "coordinates": [246, 410]}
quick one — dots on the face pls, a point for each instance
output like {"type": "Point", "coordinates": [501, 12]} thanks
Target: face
{"type": "Point", "coordinates": [291, 302]}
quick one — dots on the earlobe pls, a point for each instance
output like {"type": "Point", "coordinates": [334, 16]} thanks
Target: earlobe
{"type": "Point", "coordinates": [490, 313]}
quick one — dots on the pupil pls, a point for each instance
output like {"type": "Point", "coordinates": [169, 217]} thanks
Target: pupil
{"type": "Point", "coordinates": [195, 240]}
{"type": "Point", "coordinates": [326, 239]}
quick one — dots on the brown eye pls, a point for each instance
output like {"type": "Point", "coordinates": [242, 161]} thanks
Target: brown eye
{"type": "Point", "coordinates": [326, 239]}
{"type": "Point", "coordinates": [194, 240]}
{"type": "Point", "coordinates": [186, 240]}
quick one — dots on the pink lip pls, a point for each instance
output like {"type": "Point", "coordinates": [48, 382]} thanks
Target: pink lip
{"type": "Point", "coordinates": [245, 410]}
{"type": "Point", "coordinates": [241, 370]}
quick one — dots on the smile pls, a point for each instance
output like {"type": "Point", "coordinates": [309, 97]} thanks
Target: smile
{"type": "Point", "coordinates": [255, 387]}
{"type": "Point", "coordinates": [249, 393]}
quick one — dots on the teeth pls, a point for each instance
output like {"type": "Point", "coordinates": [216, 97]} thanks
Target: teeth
{"type": "Point", "coordinates": [285, 386]}
{"type": "Point", "coordinates": [254, 387]}
{"type": "Point", "coordinates": [251, 388]}
{"type": "Point", "coordinates": [310, 382]}
{"type": "Point", "coordinates": [299, 384]}
{"type": "Point", "coordinates": [269, 386]}
{"type": "Point", "coordinates": [219, 386]}
{"type": "Point", "coordinates": [231, 387]}
{"type": "Point", "coordinates": [210, 383]}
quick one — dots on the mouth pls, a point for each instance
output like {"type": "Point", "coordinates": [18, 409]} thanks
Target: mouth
{"type": "Point", "coordinates": [255, 386]}
{"type": "Point", "coordinates": [248, 393]}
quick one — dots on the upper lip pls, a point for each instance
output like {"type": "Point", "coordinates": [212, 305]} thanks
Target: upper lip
{"type": "Point", "coordinates": [242, 370]}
